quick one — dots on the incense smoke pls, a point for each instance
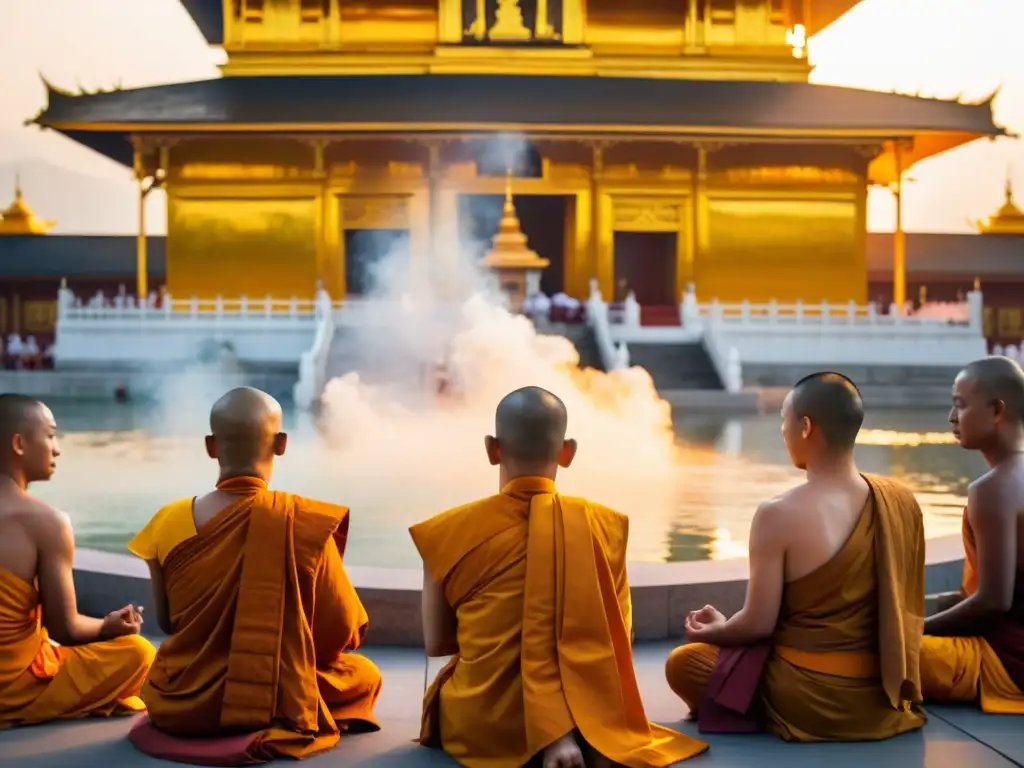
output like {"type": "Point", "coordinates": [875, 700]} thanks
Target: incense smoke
{"type": "Point", "coordinates": [401, 448]}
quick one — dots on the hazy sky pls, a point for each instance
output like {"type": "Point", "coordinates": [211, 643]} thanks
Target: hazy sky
{"type": "Point", "coordinates": [935, 47]}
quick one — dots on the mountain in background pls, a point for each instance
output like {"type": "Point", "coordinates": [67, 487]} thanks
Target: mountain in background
{"type": "Point", "coordinates": [81, 203]}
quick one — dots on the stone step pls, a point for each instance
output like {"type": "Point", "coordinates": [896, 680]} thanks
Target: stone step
{"type": "Point", "coordinates": [676, 366]}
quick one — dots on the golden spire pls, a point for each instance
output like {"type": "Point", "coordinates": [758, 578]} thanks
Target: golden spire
{"type": "Point", "coordinates": [1009, 219]}
{"type": "Point", "coordinates": [508, 23]}
{"type": "Point", "coordinates": [19, 218]}
{"type": "Point", "coordinates": [510, 249]}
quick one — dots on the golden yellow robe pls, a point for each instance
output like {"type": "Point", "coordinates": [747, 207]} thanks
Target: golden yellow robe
{"type": "Point", "coordinates": [989, 668]}
{"type": "Point", "coordinates": [40, 681]}
{"type": "Point", "coordinates": [845, 661]}
{"type": "Point", "coordinates": [264, 618]}
{"type": "Point", "coordinates": [538, 584]}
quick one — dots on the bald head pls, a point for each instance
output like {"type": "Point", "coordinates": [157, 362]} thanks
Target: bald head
{"type": "Point", "coordinates": [245, 424]}
{"type": "Point", "coordinates": [28, 438]}
{"type": "Point", "coordinates": [833, 405]}
{"type": "Point", "coordinates": [17, 412]}
{"type": "Point", "coordinates": [999, 378]}
{"type": "Point", "coordinates": [530, 426]}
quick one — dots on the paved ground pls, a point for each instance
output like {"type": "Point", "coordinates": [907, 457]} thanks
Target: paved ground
{"type": "Point", "coordinates": [953, 737]}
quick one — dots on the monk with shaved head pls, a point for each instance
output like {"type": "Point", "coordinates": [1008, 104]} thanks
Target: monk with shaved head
{"type": "Point", "coordinates": [261, 617]}
{"type": "Point", "coordinates": [100, 664]}
{"type": "Point", "coordinates": [527, 589]}
{"type": "Point", "coordinates": [973, 651]}
{"type": "Point", "coordinates": [826, 645]}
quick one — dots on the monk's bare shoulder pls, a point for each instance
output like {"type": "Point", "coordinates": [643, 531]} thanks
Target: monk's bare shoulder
{"type": "Point", "coordinates": [994, 494]}
{"type": "Point", "coordinates": [37, 518]}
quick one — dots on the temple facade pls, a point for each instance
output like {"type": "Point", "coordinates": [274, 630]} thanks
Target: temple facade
{"type": "Point", "coordinates": [652, 144]}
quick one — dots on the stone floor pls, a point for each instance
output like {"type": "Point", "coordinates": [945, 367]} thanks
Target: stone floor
{"type": "Point", "coordinates": [953, 737]}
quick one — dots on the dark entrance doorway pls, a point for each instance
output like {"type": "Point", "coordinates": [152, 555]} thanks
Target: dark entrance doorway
{"type": "Point", "coordinates": [376, 261]}
{"type": "Point", "coordinates": [645, 263]}
{"type": "Point", "coordinates": [542, 218]}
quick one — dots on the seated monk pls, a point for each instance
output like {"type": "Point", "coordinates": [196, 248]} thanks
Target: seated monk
{"type": "Point", "coordinates": [528, 590]}
{"type": "Point", "coordinates": [835, 601]}
{"type": "Point", "coordinates": [973, 651]}
{"type": "Point", "coordinates": [100, 664]}
{"type": "Point", "coordinates": [249, 585]}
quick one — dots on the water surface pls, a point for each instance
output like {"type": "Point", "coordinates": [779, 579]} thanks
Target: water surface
{"type": "Point", "coordinates": [121, 463]}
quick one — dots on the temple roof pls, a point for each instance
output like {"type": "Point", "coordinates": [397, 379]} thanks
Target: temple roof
{"type": "Point", "coordinates": [949, 255]}
{"type": "Point", "coordinates": [539, 104]}
{"type": "Point", "coordinates": [19, 218]}
{"type": "Point", "coordinates": [95, 257]}
{"type": "Point", "coordinates": [1008, 220]}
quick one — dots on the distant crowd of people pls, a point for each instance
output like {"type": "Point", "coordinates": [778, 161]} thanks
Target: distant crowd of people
{"type": "Point", "coordinates": [25, 354]}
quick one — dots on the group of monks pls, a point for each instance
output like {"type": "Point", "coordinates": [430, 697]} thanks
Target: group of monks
{"type": "Point", "coordinates": [527, 592]}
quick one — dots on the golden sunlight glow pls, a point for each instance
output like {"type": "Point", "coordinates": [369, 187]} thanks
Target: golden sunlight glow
{"type": "Point", "coordinates": [910, 439]}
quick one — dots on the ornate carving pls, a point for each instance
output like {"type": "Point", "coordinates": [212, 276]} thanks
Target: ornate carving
{"type": "Point", "coordinates": [646, 215]}
{"type": "Point", "coordinates": [40, 316]}
{"type": "Point", "coordinates": [789, 174]}
{"type": "Point", "coordinates": [375, 213]}
{"type": "Point", "coordinates": [405, 170]}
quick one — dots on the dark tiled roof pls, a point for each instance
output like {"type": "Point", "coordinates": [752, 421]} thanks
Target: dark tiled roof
{"type": "Point", "coordinates": [953, 255]}
{"type": "Point", "coordinates": [209, 17]}
{"type": "Point", "coordinates": [89, 256]}
{"type": "Point", "coordinates": [593, 104]}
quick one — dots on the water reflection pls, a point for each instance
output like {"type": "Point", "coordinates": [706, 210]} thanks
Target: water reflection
{"type": "Point", "coordinates": [121, 463]}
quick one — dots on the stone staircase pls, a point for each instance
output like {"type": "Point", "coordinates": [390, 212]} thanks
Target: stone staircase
{"type": "Point", "coordinates": [676, 366]}
{"type": "Point", "coordinates": [582, 337]}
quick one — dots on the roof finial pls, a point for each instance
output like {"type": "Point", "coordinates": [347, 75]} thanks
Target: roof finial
{"type": "Point", "coordinates": [1009, 183]}
{"type": "Point", "coordinates": [508, 184]}
{"type": "Point", "coordinates": [17, 186]}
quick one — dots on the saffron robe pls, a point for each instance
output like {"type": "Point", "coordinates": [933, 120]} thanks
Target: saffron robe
{"type": "Point", "coordinates": [538, 584]}
{"type": "Point", "coordinates": [989, 668]}
{"type": "Point", "coordinates": [41, 681]}
{"type": "Point", "coordinates": [264, 618]}
{"type": "Point", "coordinates": [844, 663]}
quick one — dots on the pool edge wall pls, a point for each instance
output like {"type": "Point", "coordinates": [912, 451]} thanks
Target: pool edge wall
{"type": "Point", "coordinates": [662, 593]}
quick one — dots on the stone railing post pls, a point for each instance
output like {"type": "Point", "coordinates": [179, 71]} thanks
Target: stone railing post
{"type": "Point", "coordinates": [218, 307]}
{"type": "Point", "coordinates": [621, 356]}
{"type": "Point", "coordinates": [689, 309]}
{"type": "Point", "coordinates": [733, 371]}
{"type": "Point", "coordinates": [631, 311]}
{"type": "Point", "coordinates": [773, 311]}
{"type": "Point", "coordinates": [976, 311]}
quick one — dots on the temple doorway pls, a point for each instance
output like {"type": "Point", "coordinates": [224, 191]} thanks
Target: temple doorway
{"type": "Point", "coordinates": [542, 218]}
{"type": "Point", "coordinates": [376, 261]}
{"type": "Point", "coordinates": [645, 263]}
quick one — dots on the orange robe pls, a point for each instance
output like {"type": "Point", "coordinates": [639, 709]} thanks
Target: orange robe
{"type": "Point", "coordinates": [264, 617]}
{"type": "Point", "coordinates": [989, 668]}
{"type": "Point", "coordinates": [538, 584]}
{"type": "Point", "coordinates": [40, 681]}
{"type": "Point", "coordinates": [844, 666]}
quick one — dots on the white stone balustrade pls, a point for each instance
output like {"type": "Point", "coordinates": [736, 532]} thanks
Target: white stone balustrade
{"type": "Point", "coordinates": [268, 330]}
{"type": "Point", "coordinates": [799, 333]}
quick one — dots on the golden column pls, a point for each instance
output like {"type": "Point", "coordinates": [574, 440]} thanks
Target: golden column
{"type": "Point", "coordinates": [141, 256]}
{"type": "Point", "coordinates": [899, 246]}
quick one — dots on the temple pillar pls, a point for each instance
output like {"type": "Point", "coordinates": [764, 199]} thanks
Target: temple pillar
{"type": "Point", "coordinates": [602, 228]}
{"type": "Point", "coordinates": [899, 254]}
{"type": "Point", "coordinates": [141, 255]}
{"type": "Point", "coordinates": [698, 241]}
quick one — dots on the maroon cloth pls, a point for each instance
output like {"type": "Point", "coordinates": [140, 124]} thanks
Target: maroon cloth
{"type": "Point", "coordinates": [220, 750]}
{"type": "Point", "coordinates": [1006, 637]}
{"type": "Point", "coordinates": [728, 703]}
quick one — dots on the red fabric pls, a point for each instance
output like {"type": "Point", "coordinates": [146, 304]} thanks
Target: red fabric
{"type": "Point", "coordinates": [728, 702]}
{"type": "Point", "coordinates": [220, 750]}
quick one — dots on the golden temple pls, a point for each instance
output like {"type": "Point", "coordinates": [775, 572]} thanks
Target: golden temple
{"type": "Point", "coordinates": [1008, 220]}
{"type": "Point", "coordinates": [680, 137]}
{"type": "Point", "coordinates": [19, 218]}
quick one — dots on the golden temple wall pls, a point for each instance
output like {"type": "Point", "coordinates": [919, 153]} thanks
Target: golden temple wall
{"type": "Point", "coordinates": [757, 222]}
